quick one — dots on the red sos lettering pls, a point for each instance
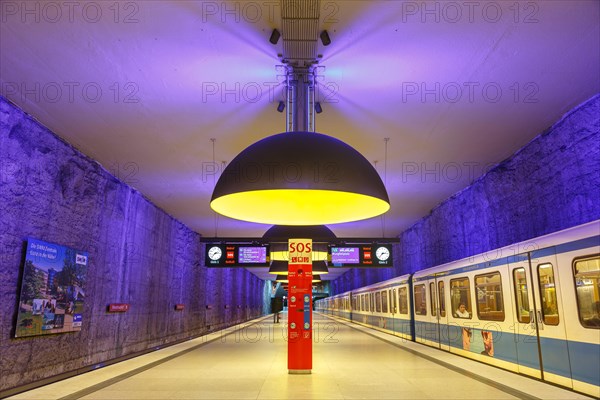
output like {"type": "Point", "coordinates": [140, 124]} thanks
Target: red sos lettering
{"type": "Point", "coordinates": [300, 247]}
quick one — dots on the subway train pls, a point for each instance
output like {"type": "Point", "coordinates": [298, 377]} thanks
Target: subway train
{"type": "Point", "coordinates": [532, 307]}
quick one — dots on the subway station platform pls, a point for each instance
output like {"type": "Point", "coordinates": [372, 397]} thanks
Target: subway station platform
{"type": "Point", "coordinates": [249, 361]}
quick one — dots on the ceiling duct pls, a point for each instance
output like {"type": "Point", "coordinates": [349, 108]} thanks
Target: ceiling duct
{"type": "Point", "coordinates": [300, 31]}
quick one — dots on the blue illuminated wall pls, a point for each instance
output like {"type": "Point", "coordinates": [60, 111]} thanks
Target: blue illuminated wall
{"type": "Point", "coordinates": [138, 255]}
{"type": "Point", "coordinates": [551, 184]}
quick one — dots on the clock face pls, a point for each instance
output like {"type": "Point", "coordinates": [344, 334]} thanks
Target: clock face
{"type": "Point", "coordinates": [382, 253]}
{"type": "Point", "coordinates": [214, 253]}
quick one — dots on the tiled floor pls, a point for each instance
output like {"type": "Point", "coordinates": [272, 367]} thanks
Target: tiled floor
{"type": "Point", "coordinates": [252, 364]}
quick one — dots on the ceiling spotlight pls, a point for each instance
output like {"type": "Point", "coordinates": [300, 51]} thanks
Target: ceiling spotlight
{"type": "Point", "coordinates": [281, 106]}
{"type": "Point", "coordinates": [325, 39]}
{"type": "Point", "coordinates": [318, 108]}
{"type": "Point", "coordinates": [275, 35]}
{"type": "Point", "coordinates": [273, 181]}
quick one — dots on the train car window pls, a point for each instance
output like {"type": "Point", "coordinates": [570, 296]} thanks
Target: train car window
{"type": "Point", "coordinates": [373, 308]}
{"type": "Point", "coordinates": [490, 304]}
{"type": "Point", "coordinates": [384, 301]}
{"type": "Point", "coordinates": [420, 300]}
{"type": "Point", "coordinates": [460, 298]}
{"type": "Point", "coordinates": [441, 298]}
{"type": "Point", "coordinates": [403, 300]}
{"type": "Point", "coordinates": [394, 302]}
{"type": "Point", "coordinates": [522, 297]}
{"type": "Point", "coordinates": [378, 301]}
{"type": "Point", "coordinates": [362, 300]}
{"type": "Point", "coordinates": [587, 286]}
{"type": "Point", "coordinates": [432, 298]}
{"type": "Point", "coordinates": [548, 294]}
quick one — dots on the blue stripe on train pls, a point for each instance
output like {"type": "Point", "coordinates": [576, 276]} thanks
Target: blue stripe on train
{"type": "Point", "coordinates": [584, 360]}
{"type": "Point", "coordinates": [556, 354]}
{"type": "Point", "coordinates": [500, 261]}
{"type": "Point", "coordinates": [566, 247]}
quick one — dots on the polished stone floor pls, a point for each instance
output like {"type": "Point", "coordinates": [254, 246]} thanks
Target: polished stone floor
{"type": "Point", "coordinates": [250, 362]}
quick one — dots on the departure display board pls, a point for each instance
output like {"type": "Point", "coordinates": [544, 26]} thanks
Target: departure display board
{"type": "Point", "coordinates": [252, 255]}
{"type": "Point", "coordinates": [372, 255]}
{"type": "Point", "coordinates": [236, 255]}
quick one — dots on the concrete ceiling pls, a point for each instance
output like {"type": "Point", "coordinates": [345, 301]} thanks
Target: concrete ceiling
{"type": "Point", "coordinates": [143, 86]}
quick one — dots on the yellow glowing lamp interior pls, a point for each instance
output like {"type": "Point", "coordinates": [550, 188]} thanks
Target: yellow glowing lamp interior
{"type": "Point", "coordinates": [299, 206]}
{"type": "Point", "coordinates": [285, 256]}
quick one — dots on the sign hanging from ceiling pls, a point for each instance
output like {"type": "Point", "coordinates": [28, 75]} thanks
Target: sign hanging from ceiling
{"type": "Point", "coordinates": [236, 255]}
{"type": "Point", "coordinates": [376, 255]}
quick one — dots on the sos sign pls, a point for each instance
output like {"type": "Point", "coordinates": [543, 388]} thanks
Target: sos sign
{"type": "Point", "coordinates": [300, 251]}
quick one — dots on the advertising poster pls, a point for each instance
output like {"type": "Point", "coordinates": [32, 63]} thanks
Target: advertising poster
{"type": "Point", "coordinates": [52, 290]}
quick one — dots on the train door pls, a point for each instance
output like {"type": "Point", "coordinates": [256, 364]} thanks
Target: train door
{"type": "Point", "coordinates": [394, 310]}
{"type": "Point", "coordinates": [432, 328]}
{"type": "Point", "coordinates": [527, 338]}
{"type": "Point", "coordinates": [405, 324]}
{"type": "Point", "coordinates": [442, 317]}
{"type": "Point", "coordinates": [549, 317]}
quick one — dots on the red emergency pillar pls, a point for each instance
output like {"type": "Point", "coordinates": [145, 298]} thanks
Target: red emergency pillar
{"type": "Point", "coordinates": [300, 306]}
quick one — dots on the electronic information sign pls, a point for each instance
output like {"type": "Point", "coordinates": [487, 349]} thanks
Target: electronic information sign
{"type": "Point", "coordinates": [236, 255]}
{"type": "Point", "coordinates": [372, 255]}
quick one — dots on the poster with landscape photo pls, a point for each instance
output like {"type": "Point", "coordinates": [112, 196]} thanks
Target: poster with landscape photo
{"type": "Point", "coordinates": [52, 289]}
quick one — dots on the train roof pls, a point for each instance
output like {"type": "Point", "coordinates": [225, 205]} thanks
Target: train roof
{"type": "Point", "coordinates": [589, 232]}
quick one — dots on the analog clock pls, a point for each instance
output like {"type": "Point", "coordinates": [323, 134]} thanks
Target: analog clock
{"type": "Point", "coordinates": [382, 253]}
{"type": "Point", "coordinates": [214, 253]}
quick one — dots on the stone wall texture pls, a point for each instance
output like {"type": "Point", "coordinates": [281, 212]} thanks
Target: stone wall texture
{"type": "Point", "coordinates": [552, 183]}
{"type": "Point", "coordinates": [138, 254]}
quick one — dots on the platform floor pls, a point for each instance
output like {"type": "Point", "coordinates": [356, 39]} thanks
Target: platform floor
{"type": "Point", "coordinates": [250, 362]}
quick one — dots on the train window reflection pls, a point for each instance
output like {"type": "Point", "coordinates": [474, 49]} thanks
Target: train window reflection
{"type": "Point", "coordinates": [522, 297]}
{"type": "Point", "coordinates": [460, 294]}
{"type": "Point", "coordinates": [587, 284]}
{"type": "Point", "coordinates": [432, 298]}
{"type": "Point", "coordinates": [548, 294]}
{"type": "Point", "coordinates": [403, 300]}
{"type": "Point", "coordinates": [420, 300]}
{"type": "Point", "coordinates": [490, 304]}
{"type": "Point", "coordinates": [441, 297]}
{"type": "Point", "coordinates": [384, 301]}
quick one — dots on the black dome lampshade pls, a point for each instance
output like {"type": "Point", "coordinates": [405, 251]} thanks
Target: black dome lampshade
{"type": "Point", "coordinates": [281, 268]}
{"type": "Point", "coordinates": [300, 178]}
{"type": "Point", "coordinates": [278, 268]}
{"type": "Point", "coordinates": [319, 268]}
{"type": "Point", "coordinates": [283, 233]}
{"type": "Point", "coordinates": [284, 279]}
{"type": "Point", "coordinates": [279, 235]}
